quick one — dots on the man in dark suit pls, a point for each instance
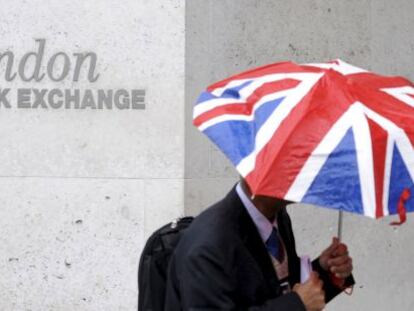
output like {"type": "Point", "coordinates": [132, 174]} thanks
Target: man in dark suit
{"type": "Point", "coordinates": [239, 254]}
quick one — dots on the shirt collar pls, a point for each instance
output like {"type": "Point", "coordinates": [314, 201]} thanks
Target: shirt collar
{"type": "Point", "coordinates": [263, 225]}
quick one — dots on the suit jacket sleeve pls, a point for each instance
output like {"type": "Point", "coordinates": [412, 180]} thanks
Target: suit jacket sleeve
{"type": "Point", "coordinates": [207, 283]}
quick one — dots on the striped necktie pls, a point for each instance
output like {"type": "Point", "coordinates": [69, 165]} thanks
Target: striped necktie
{"type": "Point", "coordinates": [273, 245]}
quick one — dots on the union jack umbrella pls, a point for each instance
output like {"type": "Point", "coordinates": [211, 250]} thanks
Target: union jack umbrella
{"type": "Point", "coordinates": [328, 134]}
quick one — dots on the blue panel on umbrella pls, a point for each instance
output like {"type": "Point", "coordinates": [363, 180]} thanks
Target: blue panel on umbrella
{"type": "Point", "coordinates": [228, 93]}
{"type": "Point", "coordinates": [236, 139]}
{"type": "Point", "coordinates": [337, 185]}
{"type": "Point", "coordinates": [399, 180]}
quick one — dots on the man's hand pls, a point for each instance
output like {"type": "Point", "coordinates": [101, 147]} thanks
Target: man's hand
{"type": "Point", "coordinates": [336, 259]}
{"type": "Point", "coordinates": [311, 293]}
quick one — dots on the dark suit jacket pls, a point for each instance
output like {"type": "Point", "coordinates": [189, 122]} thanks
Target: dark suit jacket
{"type": "Point", "coordinates": [221, 263]}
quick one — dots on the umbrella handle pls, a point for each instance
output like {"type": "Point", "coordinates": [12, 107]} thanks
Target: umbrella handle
{"type": "Point", "coordinates": [335, 280]}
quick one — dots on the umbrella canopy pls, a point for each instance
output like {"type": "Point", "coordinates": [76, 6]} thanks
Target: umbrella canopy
{"type": "Point", "coordinates": [328, 134]}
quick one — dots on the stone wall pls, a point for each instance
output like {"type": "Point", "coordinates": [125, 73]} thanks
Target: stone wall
{"type": "Point", "coordinates": [83, 187]}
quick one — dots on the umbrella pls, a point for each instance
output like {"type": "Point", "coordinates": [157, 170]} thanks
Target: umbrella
{"type": "Point", "coordinates": [328, 134]}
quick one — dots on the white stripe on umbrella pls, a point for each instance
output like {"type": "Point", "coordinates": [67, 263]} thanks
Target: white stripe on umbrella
{"type": "Point", "coordinates": [402, 94]}
{"type": "Point", "coordinates": [396, 136]}
{"type": "Point", "coordinates": [268, 129]}
{"type": "Point", "coordinates": [245, 92]}
{"type": "Point", "coordinates": [249, 117]}
{"type": "Point", "coordinates": [318, 157]}
{"type": "Point", "coordinates": [387, 175]}
{"type": "Point", "coordinates": [363, 149]}
{"type": "Point", "coordinates": [339, 66]}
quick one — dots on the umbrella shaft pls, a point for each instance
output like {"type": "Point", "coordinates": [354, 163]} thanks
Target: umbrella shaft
{"type": "Point", "coordinates": [340, 221]}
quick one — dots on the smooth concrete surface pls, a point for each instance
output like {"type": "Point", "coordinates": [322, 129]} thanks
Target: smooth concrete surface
{"type": "Point", "coordinates": [74, 243]}
{"type": "Point", "coordinates": [70, 244]}
{"type": "Point", "coordinates": [82, 189]}
{"type": "Point", "coordinates": [226, 37]}
{"type": "Point", "coordinates": [206, 191]}
{"type": "Point", "coordinates": [139, 44]}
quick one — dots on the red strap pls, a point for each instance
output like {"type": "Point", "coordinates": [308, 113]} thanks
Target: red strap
{"type": "Point", "coordinates": [405, 195]}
